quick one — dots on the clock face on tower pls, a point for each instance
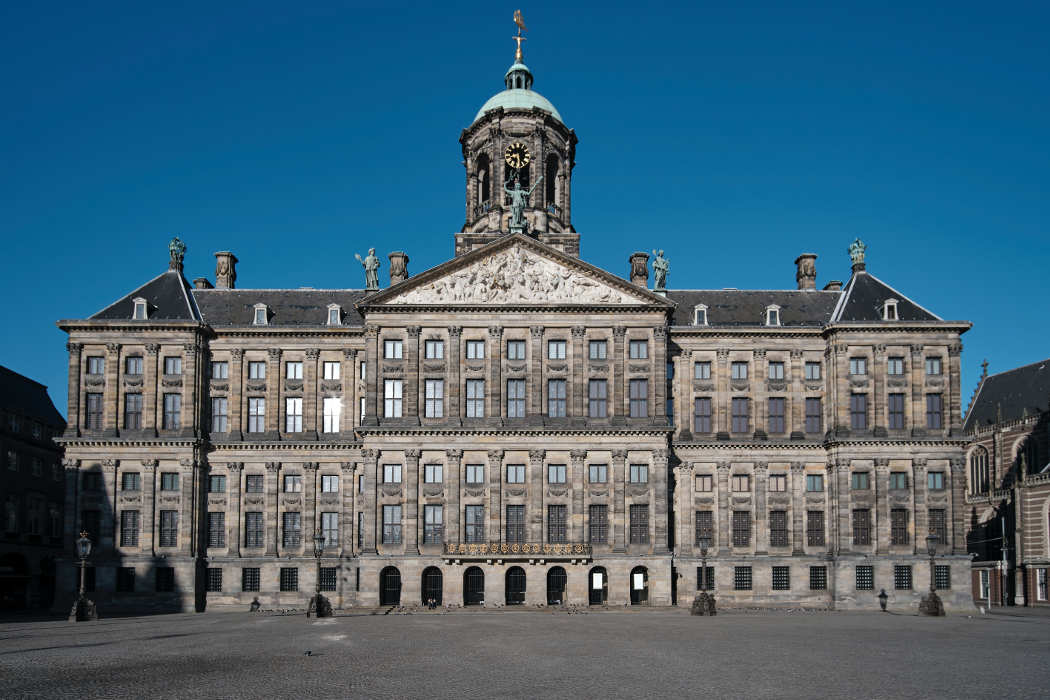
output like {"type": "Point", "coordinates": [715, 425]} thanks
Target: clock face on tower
{"type": "Point", "coordinates": [517, 155]}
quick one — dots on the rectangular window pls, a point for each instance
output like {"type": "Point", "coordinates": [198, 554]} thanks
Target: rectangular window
{"type": "Point", "coordinates": [742, 578]}
{"type": "Point", "coordinates": [129, 481]}
{"type": "Point", "coordinates": [293, 415]}
{"type": "Point", "coordinates": [256, 370]}
{"type": "Point", "coordinates": [515, 398]}
{"type": "Point", "coordinates": [93, 412]}
{"type": "Point", "coordinates": [781, 578]}
{"type": "Point", "coordinates": [434, 398]}
{"type": "Point", "coordinates": [293, 483]}
{"type": "Point", "coordinates": [172, 365]}
{"type": "Point", "coordinates": [330, 529]}
{"type": "Point", "coordinates": [329, 576]}
{"type": "Point", "coordinates": [935, 481]}
{"type": "Point", "coordinates": [293, 370]}
{"type": "Point", "coordinates": [861, 527]}
{"type": "Point", "coordinates": [639, 474]}
{"type": "Point", "coordinates": [391, 473]}
{"type": "Point", "coordinates": [125, 579]}
{"type": "Point", "coordinates": [813, 371]}
{"type": "Point", "coordinates": [392, 389]}
{"type": "Point", "coordinates": [858, 365]}
{"type": "Point", "coordinates": [475, 349]}
{"type": "Point", "coordinates": [933, 366]}
{"type": "Point", "coordinates": [702, 415]}
{"type": "Point", "coordinates": [475, 473]}
{"type": "Point", "coordinates": [515, 349]}
{"type": "Point", "coordinates": [433, 474]}
{"type": "Point", "coordinates": [433, 524]}
{"type": "Point", "coordinates": [738, 370]}
{"type": "Point", "coordinates": [250, 579]}
{"type": "Point", "coordinates": [777, 423]}
{"type": "Point", "coordinates": [942, 578]}
{"type": "Point", "coordinates": [555, 349]}
{"type": "Point", "coordinates": [213, 582]}
{"type": "Point", "coordinates": [938, 525]}
{"type": "Point", "coordinates": [777, 483]}
{"type": "Point", "coordinates": [169, 528]}
{"type": "Point", "coordinates": [895, 366]}
{"type": "Point", "coordinates": [332, 414]}
{"type": "Point", "coordinates": [705, 527]}
{"type": "Point", "coordinates": [172, 411]}
{"type": "Point", "coordinates": [858, 411]}
{"type": "Point", "coordinates": [329, 483]}
{"type": "Point", "coordinates": [289, 579]}
{"type": "Point", "coordinates": [702, 370]}
{"type": "Point", "coordinates": [818, 578]}
{"type": "Point", "coordinates": [256, 415]}
{"type": "Point", "coordinates": [253, 483]}
{"type": "Point", "coordinates": [392, 350]}
{"type": "Point", "coordinates": [434, 350]}
{"type": "Point", "coordinates": [597, 398]}
{"type": "Point", "coordinates": [598, 524]}
{"type": "Point", "coordinates": [815, 483]}
{"type": "Point", "coordinates": [934, 412]}
{"type": "Point", "coordinates": [291, 529]}
{"type": "Point", "coordinates": [902, 577]}
{"type": "Point", "coordinates": [896, 411]}
{"type": "Point", "coordinates": [331, 370]}
{"type": "Point", "coordinates": [475, 398]}
{"type": "Point", "coordinates": [815, 528]}
{"type": "Point", "coordinates": [639, 389]}
{"type": "Point", "coordinates": [865, 578]}
{"type": "Point", "coordinates": [515, 473]}
{"type": "Point", "coordinates": [741, 528]}
{"type": "Point", "coordinates": [556, 398]}
{"type": "Point", "coordinates": [391, 524]}
{"type": "Point", "coordinates": [219, 415]}
{"type": "Point", "coordinates": [216, 529]}
{"type": "Point", "coordinates": [515, 524]}
{"type": "Point", "coordinates": [860, 481]}
{"type": "Point", "coordinates": [898, 480]}
{"type": "Point", "coordinates": [169, 481]}
{"type": "Point", "coordinates": [133, 366]}
{"type": "Point", "coordinates": [741, 482]}
{"type": "Point", "coordinates": [164, 580]}
{"type": "Point", "coordinates": [598, 473]}
{"type": "Point", "coordinates": [899, 526]}
{"type": "Point", "coordinates": [254, 530]}
{"type": "Point", "coordinates": [741, 411]}
{"type": "Point", "coordinates": [360, 530]}
{"type": "Point", "coordinates": [705, 581]}
{"type": "Point", "coordinates": [814, 415]}
{"type": "Point", "coordinates": [555, 473]}
{"type": "Point", "coordinates": [776, 370]}
{"type": "Point", "coordinates": [474, 524]}
{"type": "Point", "coordinates": [985, 584]}
{"type": "Point", "coordinates": [96, 365]}
{"type": "Point", "coordinates": [1040, 584]}
{"type": "Point", "coordinates": [129, 528]}
{"type": "Point", "coordinates": [598, 349]}
{"type": "Point", "coordinates": [704, 483]}
{"type": "Point", "coordinates": [556, 531]}
{"type": "Point", "coordinates": [639, 524]}
{"type": "Point", "coordinates": [639, 349]}
{"type": "Point", "coordinates": [778, 528]}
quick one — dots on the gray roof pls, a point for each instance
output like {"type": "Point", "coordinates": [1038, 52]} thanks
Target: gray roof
{"type": "Point", "coordinates": [23, 396]}
{"type": "Point", "coordinates": [167, 298]}
{"type": "Point", "coordinates": [737, 307]}
{"type": "Point", "coordinates": [287, 307]}
{"type": "Point", "coordinates": [863, 297]}
{"type": "Point", "coordinates": [1013, 393]}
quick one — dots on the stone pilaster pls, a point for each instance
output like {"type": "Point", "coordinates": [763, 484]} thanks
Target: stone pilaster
{"type": "Point", "coordinates": [659, 375]}
{"type": "Point", "coordinates": [412, 389]}
{"type": "Point", "coordinates": [957, 506]}
{"type": "Point", "coordinates": [953, 402]}
{"type": "Point", "coordinates": [111, 515]}
{"type": "Point", "coordinates": [919, 500]}
{"type": "Point", "coordinates": [237, 400]}
{"type": "Point", "coordinates": [190, 382]}
{"type": "Point", "coordinates": [537, 490]}
{"type": "Point", "coordinates": [148, 517]}
{"type": "Point", "coordinates": [761, 513]}
{"type": "Point", "coordinates": [149, 391]}
{"type": "Point", "coordinates": [795, 411]}
{"type": "Point", "coordinates": [273, 392]}
{"type": "Point", "coordinates": [311, 519]}
{"type": "Point", "coordinates": [843, 504]}
{"type": "Point", "coordinates": [619, 356]}
{"type": "Point", "coordinates": [455, 486]}
{"type": "Point", "coordinates": [723, 507]}
{"type": "Point", "coordinates": [351, 402]}
{"type": "Point", "coordinates": [721, 400]}
{"type": "Point", "coordinates": [576, 516]}
{"type": "Point", "coordinates": [455, 403]}
{"type": "Point", "coordinates": [272, 517]}
{"type": "Point", "coordinates": [683, 489]}
{"type": "Point", "coordinates": [72, 526]}
{"type": "Point", "coordinates": [235, 511]}
{"type": "Point", "coordinates": [918, 411]}
{"type": "Point", "coordinates": [878, 393]}
{"type": "Point", "coordinates": [347, 525]}
{"type": "Point", "coordinates": [73, 418]}
{"type": "Point", "coordinates": [536, 389]}
{"type": "Point", "coordinates": [110, 396]}
{"type": "Point", "coordinates": [660, 501]}
{"type": "Point", "coordinates": [882, 505]}
{"type": "Point", "coordinates": [798, 508]}
{"type": "Point", "coordinates": [578, 378]}
{"type": "Point", "coordinates": [411, 527]}
{"type": "Point", "coordinates": [495, 495]}
{"type": "Point", "coordinates": [493, 362]}
{"type": "Point", "coordinates": [371, 465]}
{"type": "Point", "coordinates": [619, 466]}
{"type": "Point", "coordinates": [838, 386]}
{"type": "Point", "coordinates": [311, 390]}
{"type": "Point", "coordinates": [372, 379]}
{"type": "Point", "coordinates": [758, 378]}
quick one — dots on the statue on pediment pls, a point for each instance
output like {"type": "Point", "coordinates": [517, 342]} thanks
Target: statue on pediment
{"type": "Point", "coordinates": [519, 199]}
{"type": "Point", "coordinates": [660, 269]}
{"type": "Point", "coordinates": [371, 265]}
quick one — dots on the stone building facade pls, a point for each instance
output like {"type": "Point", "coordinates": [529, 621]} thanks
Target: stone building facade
{"type": "Point", "coordinates": [516, 426]}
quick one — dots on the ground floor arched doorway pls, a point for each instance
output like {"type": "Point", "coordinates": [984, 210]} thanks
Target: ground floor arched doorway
{"type": "Point", "coordinates": [639, 586]}
{"type": "Point", "coordinates": [474, 586]}
{"type": "Point", "coordinates": [390, 586]}
{"type": "Point", "coordinates": [515, 586]}
{"type": "Point", "coordinates": [556, 579]}
{"type": "Point", "coordinates": [432, 585]}
{"type": "Point", "coordinates": [598, 586]}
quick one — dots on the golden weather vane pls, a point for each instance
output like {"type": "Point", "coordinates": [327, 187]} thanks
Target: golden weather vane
{"type": "Point", "coordinates": [518, 57]}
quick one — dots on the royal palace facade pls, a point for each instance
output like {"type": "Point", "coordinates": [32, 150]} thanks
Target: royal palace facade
{"type": "Point", "coordinates": [515, 426]}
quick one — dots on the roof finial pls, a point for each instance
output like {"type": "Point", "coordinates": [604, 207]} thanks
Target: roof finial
{"type": "Point", "coordinates": [518, 56]}
{"type": "Point", "coordinates": [984, 368]}
{"type": "Point", "coordinates": [856, 254]}
{"type": "Point", "coordinates": [176, 251]}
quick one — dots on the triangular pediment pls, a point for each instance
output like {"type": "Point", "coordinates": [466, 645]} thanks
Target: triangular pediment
{"type": "Point", "coordinates": [515, 270]}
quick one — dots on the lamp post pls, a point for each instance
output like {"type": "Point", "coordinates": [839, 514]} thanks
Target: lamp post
{"type": "Point", "coordinates": [931, 602]}
{"type": "Point", "coordinates": [705, 542]}
{"type": "Point", "coordinates": [83, 609]}
{"type": "Point", "coordinates": [319, 604]}
{"type": "Point", "coordinates": [704, 603]}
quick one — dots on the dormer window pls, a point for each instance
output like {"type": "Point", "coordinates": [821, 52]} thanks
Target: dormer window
{"type": "Point", "coordinates": [700, 315]}
{"type": "Point", "coordinates": [139, 312]}
{"type": "Point", "coordinates": [335, 315]}
{"type": "Point", "coordinates": [889, 310]}
{"type": "Point", "coordinates": [261, 316]}
{"type": "Point", "coordinates": [773, 315]}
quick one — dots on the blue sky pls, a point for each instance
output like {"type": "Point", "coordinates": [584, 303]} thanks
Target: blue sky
{"type": "Point", "coordinates": [733, 135]}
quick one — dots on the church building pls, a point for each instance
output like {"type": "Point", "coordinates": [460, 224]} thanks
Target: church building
{"type": "Point", "coordinates": [515, 426]}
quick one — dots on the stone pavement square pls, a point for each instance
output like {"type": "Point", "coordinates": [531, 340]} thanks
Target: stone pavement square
{"type": "Point", "coordinates": [527, 654]}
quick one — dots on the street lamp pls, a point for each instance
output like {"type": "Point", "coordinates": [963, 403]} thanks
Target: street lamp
{"type": "Point", "coordinates": [705, 542]}
{"type": "Point", "coordinates": [83, 609]}
{"type": "Point", "coordinates": [931, 602]}
{"type": "Point", "coordinates": [704, 603]}
{"type": "Point", "coordinates": [319, 604]}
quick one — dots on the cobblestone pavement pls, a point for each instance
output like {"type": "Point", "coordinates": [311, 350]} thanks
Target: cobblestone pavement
{"type": "Point", "coordinates": [653, 653]}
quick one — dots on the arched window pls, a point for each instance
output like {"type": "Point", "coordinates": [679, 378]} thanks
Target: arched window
{"type": "Point", "coordinates": [556, 579]}
{"type": "Point", "coordinates": [432, 585]}
{"type": "Point", "coordinates": [550, 181]}
{"type": "Point", "coordinates": [473, 586]}
{"type": "Point", "coordinates": [484, 182]}
{"type": "Point", "coordinates": [639, 584]}
{"type": "Point", "coordinates": [390, 586]}
{"type": "Point", "coordinates": [597, 586]}
{"type": "Point", "coordinates": [515, 586]}
{"type": "Point", "coordinates": [979, 471]}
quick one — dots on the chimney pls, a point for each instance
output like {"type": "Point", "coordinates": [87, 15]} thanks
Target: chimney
{"type": "Point", "coordinates": [833, 286]}
{"type": "Point", "coordinates": [640, 269]}
{"type": "Point", "coordinates": [225, 270]}
{"type": "Point", "coordinates": [202, 283]}
{"type": "Point", "coordinates": [398, 267]}
{"type": "Point", "coordinates": [806, 271]}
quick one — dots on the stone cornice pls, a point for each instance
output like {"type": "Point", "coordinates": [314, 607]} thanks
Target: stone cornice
{"type": "Point", "coordinates": [662, 433]}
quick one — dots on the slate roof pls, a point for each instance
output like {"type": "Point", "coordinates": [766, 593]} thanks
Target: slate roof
{"type": "Point", "coordinates": [167, 296]}
{"type": "Point", "coordinates": [296, 308]}
{"type": "Point", "coordinates": [738, 307]}
{"type": "Point", "coordinates": [863, 297]}
{"type": "Point", "coordinates": [23, 396]}
{"type": "Point", "coordinates": [1013, 392]}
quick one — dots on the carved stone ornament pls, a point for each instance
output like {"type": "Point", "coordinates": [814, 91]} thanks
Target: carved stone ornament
{"type": "Point", "coordinates": [133, 381]}
{"type": "Point", "coordinates": [293, 384]}
{"type": "Point", "coordinates": [130, 498]}
{"type": "Point", "coordinates": [169, 499]}
{"type": "Point", "coordinates": [291, 500]}
{"type": "Point", "coordinates": [110, 463]}
{"type": "Point", "coordinates": [393, 369]}
{"type": "Point", "coordinates": [171, 382]}
{"type": "Point", "coordinates": [94, 381]}
{"type": "Point", "coordinates": [515, 491]}
{"type": "Point", "coordinates": [741, 500]}
{"type": "Point", "coordinates": [392, 489]}
{"type": "Point", "coordinates": [433, 489]}
{"type": "Point", "coordinates": [595, 493]}
{"type": "Point", "coordinates": [475, 368]}
{"type": "Point", "coordinates": [557, 368]}
{"type": "Point", "coordinates": [703, 386]}
{"type": "Point", "coordinates": [434, 367]}
{"type": "Point", "coordinates": [636, 490]}
{"type": "Point", "coordinates": [897, 382]}
{"type": "Point", "coordinates": [814, 386]}
{"type": "Point", "coordinates": [513, 276]}
{"type": "Point", "coordinates": [149, 463]}
{"type": "Point", "coordinates": [859, 383]}
{"type": "Point", "coordinates": [474, 493]}
{"type": "Point", "coordinates": [638, 368]}
{"type": "Point", "coordinates": [776, 385]}
{"type": "Point", "coordinates": [331, 385]}
{"type": "Point", "coordinates": [220, 386]}
{"type": "Point", "coordinates": [558, 493]}
{"type": "Point", "coordinates": [599, 369]}
{"type": "Point", "coordinates": [257, 387]}
{"type": "Point", "coordinates": [254, 500]}
{"type": "Point", "coordinates": [186, 462]}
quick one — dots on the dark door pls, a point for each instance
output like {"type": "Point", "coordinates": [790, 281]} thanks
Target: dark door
{"type": "Point", "coordinates": [639, 586]}
{"type": "Point", "coordinates": [390, 586]}
{"type": "Point", "coordinates": [516, 586]}
{"type": "Point", "coordinates": [473, 586]}
{"type": "Point", "coordinates": [598, 585]}
{"type": "Point", "coordinates": [432, 583]}
{"type": "Point", "coordinates": [556, 586]}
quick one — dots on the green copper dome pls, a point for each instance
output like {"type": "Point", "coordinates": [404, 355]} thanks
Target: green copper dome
{"type": "Point", "coordinates": [519, 94]}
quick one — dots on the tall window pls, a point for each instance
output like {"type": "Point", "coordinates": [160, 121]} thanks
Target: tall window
{"type": "Point", "coordinates": [515, 473]}
{"type": "Point", "coordinates": [639, 398]}
{"type": "Point", "coordinates": [475, 473]}
{"type": "Point", "coordinates": [515, 349]}
{"type": "Point", "coordinates": [865, 578]}
{"type": "Point", "coordinates": [216, 529]}
{"type": "Point", "coordinates": [219, 414]}
{"type": "Point", "coordinates": [938, 524]}
{"type": "Point", "coordinates": [598, 473]}
{"type": "Point", "coordinates": [475, 349]}
{"type": "Point", "coordinates": [639, 474]}
{"type": "Point", "coordinates": [858, 411]}
{"type": "Point", "coordinates": [935, 481]}
{"type": "Point", "coordinates": [776, 370]}
{"type": "Point", "coordinates": [898, 480]}
{"type": "Point", "coordinates": [133, 365]}
{"type": "Point", "coordinates": [93, 412]}
{"type": "Point", "coordinates": [169, 528]}
{"type": "Point", "coordinates": [329, 483]}
{"type": "Point", "coordinates": [172, 411]}
{"type": "Point", "coordinates": [169, 481]}
{"type": "Point", "coordinates": [933, 366]}
{"type": "Point", "coordinates": [433, 474]}
{"type": "Point", "coordinates": [332, 408]}
{"type": "Point", "coordinates": [814, 483]}
{"type": "Point", "coordinates": [330, 529]}
{"type": "Point", "coordinates": [516, 524]}
{"type": "Point", "coordinates": [392, 397]}
{"type": "Point", "coordinates": [638, 349]}
{"type": "Point", "coordinates": [598, 524]}
{"type": "Point", "coordinates": [434, 401]}
{"type": "Point", "coordinates": [556, 531]}
{"type": "Point", "coordinates": [256, 415]}
{"type": "Point", "coordinates": [858, 365]}
{"type": "Point", "coordinates": [391, 524]}
{"type": "Point", "coordinates": [742, 578]}
{"type": "Point", "coordinates": [979, 471]}
{"type": "Point", "coordinates": [639, 524]}
{"type": "Point", "coordinates": [942, 580]}
{"type": "Point", "coordinates": [740, 483]}
{"type": "Point", "coordinates": [556, 398]}
{"type": "Point", "coordinates": [895, 366]}
{"type": "Point", "coordinates": [898, 526]}
{"type": "Point", "coordinates": [291, 529]}
{"type": "Point", "coordinates": [434, 350]}
{"type": "Point", "coordinates": [129, 528]}
{"type": "Point", "coordinates": [598, 349]}
{"type": "Point", "coordinates": [702, 370]}
{"type": "Point", "coordinates": [256, 370]}
{"type": "Point", "coordinates": [597, 398]}
{"type": "Point", "coordinates": [818, 578]}
{"type": "Point", "coordinates": [293, 415]}
{"type": "Point", "coordinates": [133, 411]}
{"type": "Point", "coordinates": [861, 527]}
{"type": "Point", "coordinates": [254, 530]}
{"type": "Point", "coordinates": [515, 398]}
{"type": "Point", "coordinates": [475, 398]}
{"type": "Point", "coordinates": [860, 481]}
{"type": "Point", "coordinates": [253, 483]}
{"type": "Point", "coordinates": [902, 577]}
{"type": "Point", "coordinates": [778, 528]}
{"type": "Point", "coordinates": [331, 370]}
{"type": "Point", "coordinates": [738, 371]}
{"type": "Point", "coordinates": [812, 371]}
{"type": "Point", "coordinates": [293, 370]}
{"type": "Point", "coordinates": [172, 365]}
{"type": "Point", "coordinates": [741, 412]}
{"type": "Point", "coordinates": [391, 473]}
{"type": "Point", "coordinates": [741, 528]}
{"type": "Point", "coordinates": [293, 483]}
{"type": "Point", "coordinates": [934, 412]}
{"type": "Point", "coordinates": [289, 579]}
{"type": "Point", "coordinates": [777, 483]}
{"type": "Point", "coordinates": [781, 578]}
{"type": "Point", "coordinates": [555, 473]}
{"type": "Point", "coordinates": [392, 350]}
{"type": "Point", "coordinates": [474, 524]}
{"type": "Point", "coordinates": [555, 349]}
{"type": "Point", "coordinates": [814, 415]}
{"type": "Point", "coordinates": [96, 365]}
{"type": "Point", "coordinates": [702, 414]}
{"type": "Point", "coordinates": [433, 524]}
{"type": "Point", "coordinates": [895, 403]}
{"type": "Point", "coordinates": [705, 527]}
{"type": "Point", "coordinates": [815, 528]}
{"type": "Point", "coordinates": [776, 415]}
